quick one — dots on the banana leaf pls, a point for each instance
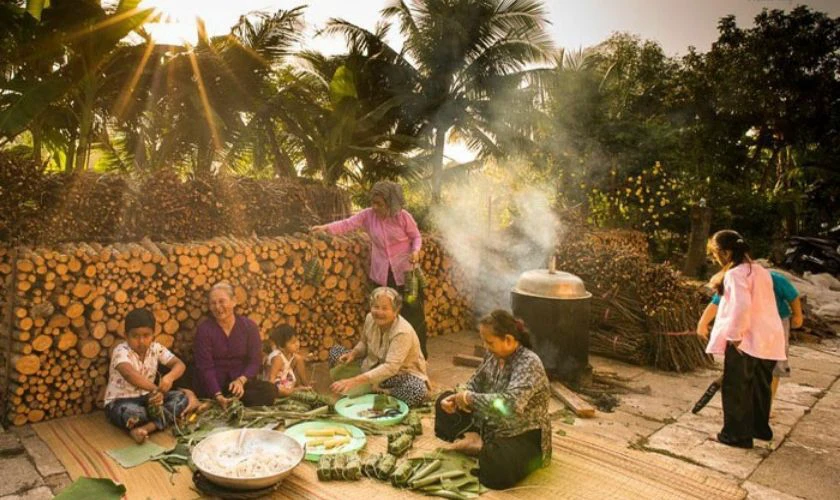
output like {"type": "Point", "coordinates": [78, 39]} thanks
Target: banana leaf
{"type": "Point", "coordinates": [385, 402]}
{"type": "Point", "coordinates": [347, 370]}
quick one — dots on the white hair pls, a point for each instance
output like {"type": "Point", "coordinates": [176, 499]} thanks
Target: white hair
{"type": "Point", "coordinates": [223, 285]}
{"type": "Point", "coordinates": [393, 296]}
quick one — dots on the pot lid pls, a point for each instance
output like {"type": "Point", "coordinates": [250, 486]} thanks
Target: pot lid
{"type": "Point", "coordinates": [551, 284]}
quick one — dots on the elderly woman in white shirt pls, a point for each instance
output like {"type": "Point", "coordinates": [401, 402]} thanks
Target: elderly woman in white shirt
{"type": "Point", "coordinates": [389, 351]}
{"type": "Point", "coordinates": [749, 333]}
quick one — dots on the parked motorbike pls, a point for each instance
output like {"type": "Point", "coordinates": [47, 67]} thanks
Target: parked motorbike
{"type": "Point", "coordinates": [817, 255]}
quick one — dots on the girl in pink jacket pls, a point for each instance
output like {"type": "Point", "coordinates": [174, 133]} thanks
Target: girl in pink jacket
{"type": "Point", "coordinates": [749, 333]}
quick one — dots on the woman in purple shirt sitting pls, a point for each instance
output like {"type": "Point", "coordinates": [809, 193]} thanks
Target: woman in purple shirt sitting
{"type": "Point", "coordinates": [395, 246]}
{"type": "Point", "coordinates": [228, 353]}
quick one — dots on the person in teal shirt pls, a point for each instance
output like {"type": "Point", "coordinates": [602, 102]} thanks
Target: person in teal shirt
{"type": "Point", "coordinates": [790, 310]}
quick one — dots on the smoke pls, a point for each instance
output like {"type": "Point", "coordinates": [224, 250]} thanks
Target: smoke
{"type": "Point", "coordinates": [496, 231]}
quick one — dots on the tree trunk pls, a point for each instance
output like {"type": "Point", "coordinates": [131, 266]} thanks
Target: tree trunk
{"type": "Point", "coordinates": [283, 166]}
{"type": "Point", "coordinates": [437, 163]}
{"type": "Point", "coordinates": [70, 156]}
{"type": "Point", "coordinates": [204, 160]}
{"type": "Point", "coordinates": [37, 141]}
{"type": "Point", "coordinates": [701, 220]}
{"type": "Point", "coordinates": [85, 124]}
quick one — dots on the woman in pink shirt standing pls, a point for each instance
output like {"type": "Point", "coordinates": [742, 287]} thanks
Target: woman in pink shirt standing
{"type": "Point", "coordinates": [395, 246]}
{"type": "Point", "coordinates": [748, 332]}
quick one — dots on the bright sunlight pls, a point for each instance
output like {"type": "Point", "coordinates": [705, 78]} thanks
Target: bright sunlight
{"type": "Point", "coordinates": [178, 21]}
{"type": "Point", "coordinates": [178, 24]}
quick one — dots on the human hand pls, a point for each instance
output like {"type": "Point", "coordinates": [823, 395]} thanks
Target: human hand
{"type": "Point", "coordinates": [155, 398]}
{"type": "Point", "coordinates": [237, 387]}
{"type": "Point", "coordinates": [448, 404]}
{"type": "Point", "coordinates": [223, 401]}
{"type": "Point", "coordinates": [703, 331]}
{"type": "Point", "coordinates": [796, 321]}
{"type": "Point", "coordinates": [461, 399]}
{"type": "Point", "coordinates": [165, 384]}
{"type": "Point", "coordinates": [192, 403]}
{"type": "Point", "coordinates": [345, 358]}
{"type": "Point", "coordinates": [319, 229]}
{"type": "Point", "coordinates": [344, 386]}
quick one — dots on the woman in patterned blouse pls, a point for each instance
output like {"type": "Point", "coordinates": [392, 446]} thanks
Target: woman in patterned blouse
{"type": "Point", "coordinates": [501, 414]}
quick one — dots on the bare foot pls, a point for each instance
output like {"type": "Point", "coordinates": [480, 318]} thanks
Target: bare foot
{"type": "Point", "coordinates": [470, 444]}
{"type": "Point", "coordinates": [131, 422]}
{"type": "Point", "coordinates": [140, 434]}
{"type": "Point", "coordinates": [192, 403]}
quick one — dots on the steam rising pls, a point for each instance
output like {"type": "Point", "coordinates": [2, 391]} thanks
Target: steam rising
{"type": "Point", "coordinates": [496, 232]}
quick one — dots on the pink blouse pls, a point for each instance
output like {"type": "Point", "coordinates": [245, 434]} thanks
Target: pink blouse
{"type": "Point", "coordinates": [748, 313]}
{"type": "Point", "coordinates": [393, 240]}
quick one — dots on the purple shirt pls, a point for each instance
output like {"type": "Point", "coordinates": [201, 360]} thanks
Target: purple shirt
{"type": "Point", "coordinates": [393, 240]}
{"type": "Point", "coordinates": [219, 358]}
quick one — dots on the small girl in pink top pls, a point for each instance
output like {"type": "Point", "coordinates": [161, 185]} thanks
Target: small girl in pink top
{"type": "Point", "coordinates": [284, 365]}
{"type": "Point", "coordinates": [749, 332]}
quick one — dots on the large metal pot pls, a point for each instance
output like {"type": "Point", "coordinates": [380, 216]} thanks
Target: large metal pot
{"type": "Point", "coordinates": [555, 307]}
{"type": "Point", "coordinates": [212, 451]}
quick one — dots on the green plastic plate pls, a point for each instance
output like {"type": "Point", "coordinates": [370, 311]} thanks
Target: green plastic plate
{"type": "Point", "coordinates": [313, 453]}
{"type": "Point", "coordinates": [352, 407]}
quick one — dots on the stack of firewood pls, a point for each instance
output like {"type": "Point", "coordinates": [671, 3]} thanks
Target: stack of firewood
{"type": "Point", "coordinates": [642, 312]}
{"type": "Point", "coordinates": [6, 293]}
{"type": "Point", "coordinates": [45, 208]}
{"type": "Point", "coordinates": [69, 303]}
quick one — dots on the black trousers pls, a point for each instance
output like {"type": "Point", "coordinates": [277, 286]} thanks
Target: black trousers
{"type": "Point", "coordinates": [746, 396]}
{"type": "Point", "coordinates": [503, 461]}
{"type": "Point", "coordinates": [413, 313]}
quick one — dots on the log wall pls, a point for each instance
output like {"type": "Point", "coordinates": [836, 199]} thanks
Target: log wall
{"type": "Point", "coordinates": [64, 306]}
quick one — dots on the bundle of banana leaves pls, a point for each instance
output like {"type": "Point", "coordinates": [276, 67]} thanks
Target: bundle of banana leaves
{"type": "Point", "coordinates": [174, 458]}
{"type": "Point", "coordinates": [415, 282]}
{"type": "Point", "coordinates": [414, 423]}
{"type": "Point", "coordinates": [343, 467]}
{"type": "Point", "coordinates": [445, 474]}
{"type": "Point", "coordinates": [313, 273]}
{"type": "Point", "coordinates": [400, 442]}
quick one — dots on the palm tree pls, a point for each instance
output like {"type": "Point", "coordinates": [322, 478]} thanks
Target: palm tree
{"type": "Point", "coordinates": [209, 93]}
{"type": "Point", "coordinates": [77, 40]}
{"type": "Point", "coordinates": [361, 132]}
{"type": "Point", "coordinates": [466, 57]}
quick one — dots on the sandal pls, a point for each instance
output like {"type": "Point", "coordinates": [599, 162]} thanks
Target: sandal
{"type": "Point", "coordinates": [722, 438]}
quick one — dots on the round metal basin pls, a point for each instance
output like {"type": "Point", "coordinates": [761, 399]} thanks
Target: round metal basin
{"type": "Point", "coordinates": [218, 457]}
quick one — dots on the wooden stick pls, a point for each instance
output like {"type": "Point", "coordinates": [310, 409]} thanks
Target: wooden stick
{"type": "Point", "coordinates": [572, 401]}
{"type": "Point", "coordinates": [466, 360]}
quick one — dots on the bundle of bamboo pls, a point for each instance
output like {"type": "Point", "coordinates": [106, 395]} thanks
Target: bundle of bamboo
{"type": "Point", "coordinates": [642, 312]}
{"type": "Point", "coordinates": [69, 304]}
